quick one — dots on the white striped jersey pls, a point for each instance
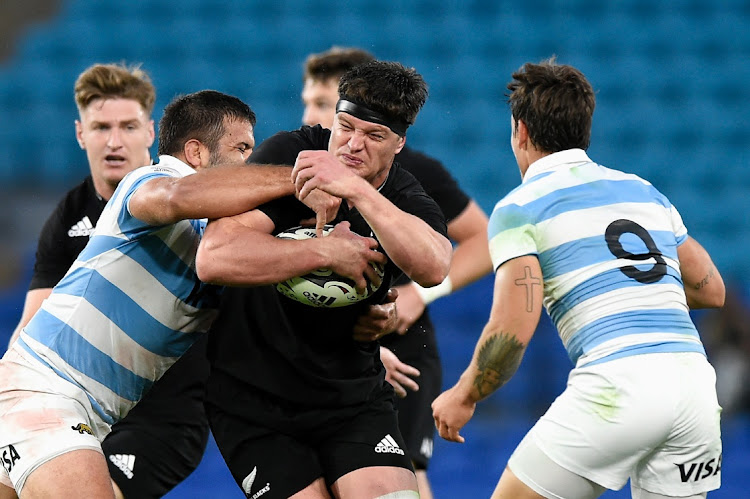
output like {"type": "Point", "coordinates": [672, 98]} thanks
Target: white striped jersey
{"type": "Point", "coordinates": [607, 245]}
{"type": "Point", "coordinates": [129, 306]}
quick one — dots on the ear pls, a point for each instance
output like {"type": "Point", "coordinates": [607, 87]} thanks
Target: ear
{"type": "Point", "coordinates": [151, 133]}
{"type": "Point", "coordinates": [401, 144]}
{"type": "Point", "coordinates": [79, 134]}
{"type": "Point", "coordinates": [196, 154]}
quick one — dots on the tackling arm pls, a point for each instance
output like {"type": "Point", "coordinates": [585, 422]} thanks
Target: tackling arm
{"type": "Point", "coordinates": [215, 192]}
{"type": "Point", "coordinates": [516, 308]}
{"type": "Point", "coordinates": [31, 305]}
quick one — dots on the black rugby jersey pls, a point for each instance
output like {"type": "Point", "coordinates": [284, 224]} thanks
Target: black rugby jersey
{"type": "Point", "coordinates": [177, 397]}
{"type": "Point", "coordinates": [297, 353]}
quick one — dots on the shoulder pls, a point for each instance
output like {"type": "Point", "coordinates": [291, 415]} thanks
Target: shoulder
{"type": "Point", "coordinates": [283, 147]}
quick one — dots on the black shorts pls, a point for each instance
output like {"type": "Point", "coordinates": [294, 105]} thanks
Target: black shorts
{"type": "Point", "coordinates": [149, 460]}
{"type": "Point", "coordinates": [297, 445]}
{"type": "Point", "coordinates": [418, 348]}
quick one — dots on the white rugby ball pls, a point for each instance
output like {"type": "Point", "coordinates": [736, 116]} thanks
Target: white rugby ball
{"type": "Point", "coordinates": [322, 287]}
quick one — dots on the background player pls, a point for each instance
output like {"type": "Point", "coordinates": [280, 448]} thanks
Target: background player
{"type": "Point", "coordinates": [160, 443]}
{"type": "Point", "coordinates": [609, 257]}
{"type": "Point", "coordinates": [414, 351]}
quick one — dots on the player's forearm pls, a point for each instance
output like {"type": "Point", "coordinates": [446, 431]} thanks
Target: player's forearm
{"type": "Point", "coordinates": [32, 304]}
{"type": "Point", "coordinates": [496, 359]}
{"type": "Point", "coordinates": [216, 192]}
{"type": "Point", "coordinates": [418, 250]}
{"type": "Point", "coordinates": [233, 255]}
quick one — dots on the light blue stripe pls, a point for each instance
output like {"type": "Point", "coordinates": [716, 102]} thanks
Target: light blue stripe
{"type": "Point", "coordinates": [127, 314]}
{"type": "Point", "coordinates": [128, 224]}
{"type": "Point", "coordinates": [606, 282]}
{"type": "Point", "coordinates": [629, 323]}
{"type": "Point", "coordinates": [595, 194]}
{"type": "Point", "coordinates": [98, 245]}
{"type": "Point", "coordinates": [94, 404]}
{"type": "Point", "coordinates": [657, 347]}
{"type": "Point", "coordinates": [85, 357]}
{"type": "Point", "coordinates": [587, 251]}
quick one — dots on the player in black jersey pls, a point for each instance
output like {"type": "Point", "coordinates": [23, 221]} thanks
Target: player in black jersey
{"type": "Point", "coordinates": [162, 440]}
{"type": "Point", "coordinates": [297, 406]}
{"type": "Point", "coordinates": [414, 351]}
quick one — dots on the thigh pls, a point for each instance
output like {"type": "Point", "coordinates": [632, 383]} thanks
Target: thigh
{"type": "Point", "coordinates": [264, 462]}
{"type": "Point", "coordinates": [78, 473]}
{"type": "Point", "coordinates": [688, 462]}
{"type": "Point", "coordinates": [371, 438]}
{"type": "Point", "coordinates": [147, 460]}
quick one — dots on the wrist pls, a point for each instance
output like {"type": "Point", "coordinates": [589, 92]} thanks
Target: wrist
{"type": "Point", "coordinates": [429, 295]}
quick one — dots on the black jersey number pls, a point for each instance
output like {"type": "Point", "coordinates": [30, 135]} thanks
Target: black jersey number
{"type": "Point", "coordinates": [612, 235]}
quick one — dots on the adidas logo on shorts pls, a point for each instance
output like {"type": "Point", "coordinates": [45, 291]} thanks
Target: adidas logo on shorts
{"type": "Point", "coordinates": [125, 462]}
{"type": "Point", "coordinates": [388, 446]}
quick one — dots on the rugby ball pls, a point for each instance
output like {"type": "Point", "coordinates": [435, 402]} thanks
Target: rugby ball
{"type": "Point", "coordinates": [322, 288]}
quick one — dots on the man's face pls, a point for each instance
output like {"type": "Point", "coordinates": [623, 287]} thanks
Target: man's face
{"type": "Point", "coordinates": [365, 147]}
{"type": "Point", "coordinates": [116, 134]}
{"type": "Point", "coordinates": [235, 145]}
{"type": "Point", "coordinates": [320, 98]}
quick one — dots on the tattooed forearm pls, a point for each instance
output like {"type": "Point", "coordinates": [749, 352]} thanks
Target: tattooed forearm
{"type": "Point", "coordinates": [704, 282]}
{"type": "Point", "coordinates": [497, 360]}
{"type": "Point", "coordinates": [529, 280]}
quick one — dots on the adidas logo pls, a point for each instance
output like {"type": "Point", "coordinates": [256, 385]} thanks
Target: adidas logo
{"type": "Point", "coordinates": [125, 462]}
{"type": "Point", "coordinates": [388, 446]}
{"type": "Point", "coordinates": [82, 228]}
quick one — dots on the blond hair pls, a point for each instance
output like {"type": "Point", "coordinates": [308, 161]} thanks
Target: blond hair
{"type": "Point", "coordinates": [107, 81]}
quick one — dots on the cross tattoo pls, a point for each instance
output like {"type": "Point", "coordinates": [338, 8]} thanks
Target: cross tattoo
{"type": "Point", "coordinates": [529, 282]}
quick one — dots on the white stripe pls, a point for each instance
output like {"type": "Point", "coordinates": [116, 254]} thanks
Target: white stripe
{"type": "Point", "coordinates": [592, 222]}
{"type": "Point", "coordinates": [654, 296]}
{"type": "Point", "coordinates": [391, 441]}
{"type": "Point", "coordinates": [131, 462]}
{"type": "Point", "coordinates": [616, 344]}
{"type": "Point", "coordinates": [87, 223]}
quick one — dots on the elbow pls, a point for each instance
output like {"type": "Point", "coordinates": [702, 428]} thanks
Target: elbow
{"type": "Point", "coordinates": [205, 267]}
{"type": "Point", "coordinates": [438, 271]}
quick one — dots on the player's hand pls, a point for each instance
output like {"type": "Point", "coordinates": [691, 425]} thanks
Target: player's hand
{"type": "Point", "coordinates": [321, 170]}
{"type": "Point", "coordinates": [451, 411]}
{"type": "Point", "coordinates": [350, 255]}
{"type": "Point", "coordinates": [410, 307]}
{"type": "Point", "coordinates": [398, 374]}
{"type": "Point", "coordinates": [325, 207]}
{"type": "Point", "coordinates": [379, 320]}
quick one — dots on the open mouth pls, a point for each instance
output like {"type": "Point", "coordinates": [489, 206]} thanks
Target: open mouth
{"type": "Point", "coordinates": [114, 160]}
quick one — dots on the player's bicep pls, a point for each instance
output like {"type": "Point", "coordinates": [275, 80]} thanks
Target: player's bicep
{"type": "Point", "coordinates": [703, 284]}
{"type": "Point", "coordinates": [518, 297]}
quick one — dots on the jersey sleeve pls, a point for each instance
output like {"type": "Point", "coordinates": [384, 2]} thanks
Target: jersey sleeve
{"type": "Point", "coordinates": [680, 231]}
{"type": "Point", "coordinates": [51, 262]}
{"type": "Point", "coordinates": [511, 232]}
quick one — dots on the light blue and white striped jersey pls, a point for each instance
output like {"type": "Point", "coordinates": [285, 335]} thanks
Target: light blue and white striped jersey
{"type": "Point", "coordinates": [130, 305]}
{"type": "Point", "coordinates": [607, 244]}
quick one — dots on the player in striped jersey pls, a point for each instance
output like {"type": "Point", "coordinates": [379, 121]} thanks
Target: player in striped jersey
{"type": "Point", "coordinates": [610, 259]}
{"type": "Point", "coordinates": [132, 303]}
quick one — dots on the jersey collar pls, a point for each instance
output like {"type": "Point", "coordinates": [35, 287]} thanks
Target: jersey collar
{"type": "Point", "coordinates": [172, 162]}
{"type": "Point", "coordinates": [561, 159]}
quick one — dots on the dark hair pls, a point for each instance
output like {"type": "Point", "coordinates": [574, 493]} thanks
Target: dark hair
{"type": "Point", "coordinates": [334, 62]}
{"type": "Point", "coordinates": [200, 115]}
{"type": "Point", "coordinates": [111, 81]}
{"type": "Point", "coordinates": [388, 88]}
{"type": "Point", "coordinates": [556, 103]}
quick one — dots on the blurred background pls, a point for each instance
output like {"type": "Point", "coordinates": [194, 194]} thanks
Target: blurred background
{"type": "Point", "coordinates": [673, 102]}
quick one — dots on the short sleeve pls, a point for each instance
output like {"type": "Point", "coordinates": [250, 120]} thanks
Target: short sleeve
{"type": "Point", "coordinates": [511, 233]}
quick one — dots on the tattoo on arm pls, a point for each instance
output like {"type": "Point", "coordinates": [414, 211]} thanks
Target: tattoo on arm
{"type": "Point", "coordinates": [704, 282]}
{"type": "Point", "coordinates": [498, 359]}
{"type": "Point", "coordinates": [529, 281]}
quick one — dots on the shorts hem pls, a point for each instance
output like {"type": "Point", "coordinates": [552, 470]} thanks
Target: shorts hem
{"type": "Point", "coordinates": [659, 488]}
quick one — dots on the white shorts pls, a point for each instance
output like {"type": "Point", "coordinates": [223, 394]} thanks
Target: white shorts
{"type": "Point", "coordinates": [41, 417]}
{"type": "Point", "coordinates": [652, 418]}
